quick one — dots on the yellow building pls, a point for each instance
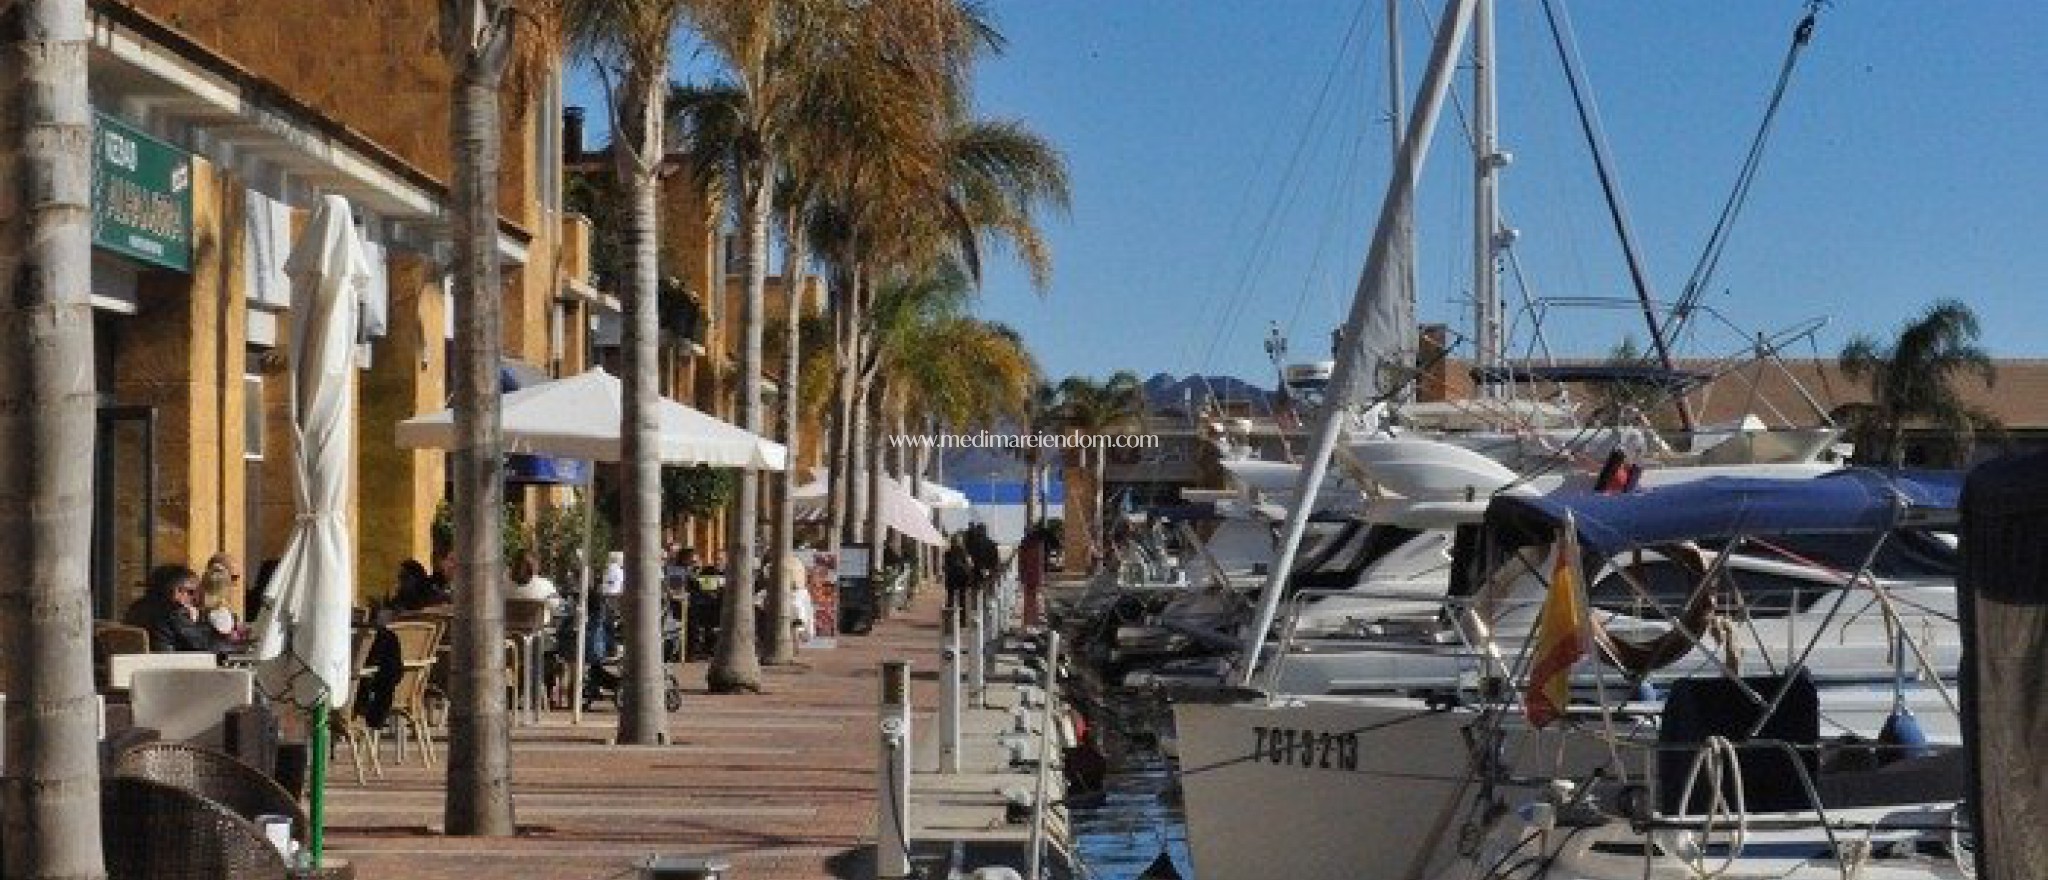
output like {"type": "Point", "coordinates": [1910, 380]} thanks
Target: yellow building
{"type": "Point", "coordinates": [221, 124]}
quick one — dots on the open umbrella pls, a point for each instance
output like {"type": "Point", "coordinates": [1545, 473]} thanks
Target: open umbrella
{"type": "Point", "coordinates": [900, 509]}
{"type": "Point", "coordinates": [579, 417]}
{"type": "Point", "coordinates": [302, 633]}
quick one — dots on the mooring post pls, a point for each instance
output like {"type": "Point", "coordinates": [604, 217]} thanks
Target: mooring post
{"type": "Point", "coordinates": [892, 782]}
{"type": "Point", "coordinates": [1048, 743]}
{"type": "Point", "coordinates": [977, 661]}
{"type": "Point", "coordinates": [949, 695]}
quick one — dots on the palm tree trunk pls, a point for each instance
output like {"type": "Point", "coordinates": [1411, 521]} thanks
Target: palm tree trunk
{"type": "Point", "coordinates": [1031, 499]}
{"type": "Point", "coordinates": [781, 647]}
{"type": "Point", "coordinates": [845, 358]}
{"type": "Point", "coordinates": [1102, 532]}
{"type": "Point", "coordinates": [51, 793]}
{"type": "Point", "coordinates": [737, 665]}
{"type": "Point", "coordinates": [859, 492]}
{"type": "Point", "coordinates": [479, 729]}
{"type": "Point", "coordinates": [871, 476]}
{"type": "Point", "coordinates": [643, 719]}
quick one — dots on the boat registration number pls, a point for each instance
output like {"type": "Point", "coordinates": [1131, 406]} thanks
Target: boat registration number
{"type": "Point", "coordinates": [1312, 749]}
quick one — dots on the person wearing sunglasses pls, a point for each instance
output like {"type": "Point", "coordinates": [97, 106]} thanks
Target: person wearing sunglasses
{"type": "Point", "coordinates": [169, 610]}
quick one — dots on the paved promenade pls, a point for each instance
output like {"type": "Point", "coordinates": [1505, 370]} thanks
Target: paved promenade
{"type": "Point", "coordinates": [780, 784]}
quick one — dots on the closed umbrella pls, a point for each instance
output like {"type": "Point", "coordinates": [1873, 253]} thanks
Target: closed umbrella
{"type": "Point", "coordinates": [302, 633]}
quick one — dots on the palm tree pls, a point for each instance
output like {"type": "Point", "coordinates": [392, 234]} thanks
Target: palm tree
{"type": "Point", "coordinates": [1041, 414]}
{"type": "Point", "coordinates": [993, 180]}
{"type": "Point", "coordinates": [939, 365]}
{"type": "Point", "coordinates": [781, 647]}
{"type": "Point", "coordinates": [761, 46]}
{"type": "Point", "coordinates": [1091, 409]}
{"type": "Point", "coordinates": [51, 795]}
{"type": "Point", "coordinates": [478, 37]}
{"type": "Point", "coordinates": [630, 40]}
{"type": "Point", "coordinates": [809, 72]}
{"type": "Point", "coordinates": [1912, 381]}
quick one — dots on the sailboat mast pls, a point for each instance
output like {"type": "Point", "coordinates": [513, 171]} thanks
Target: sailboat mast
{"type": "Point", "coordinates": [1358, 365]}
{"type": "Point", "coordinates": [1404, 225]}
{"type": "Point", "coordinates": [1489, 320]}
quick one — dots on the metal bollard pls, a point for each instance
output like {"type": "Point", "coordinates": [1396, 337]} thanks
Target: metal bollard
{"type": "Point", "coordinates": [1048, 738]}
{"type": "Point", "coordinates": [892, 777]}
{"type": "Point", "coordinates": [977, 661]}
{"type": "Point", "coordinates": [949, 696]}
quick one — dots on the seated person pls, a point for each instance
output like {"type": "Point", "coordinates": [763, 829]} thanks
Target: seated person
{"type": "Point", "coordinates": [529, 583]}
{"type": "Point", "coordinates": [222, 577]}
{"type": "Point", "coordinates": [169, 610]}
{"type": "Point", "coordinates": [416, 590]}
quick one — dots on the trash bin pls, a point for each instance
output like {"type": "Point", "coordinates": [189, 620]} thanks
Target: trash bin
{"type": "Point", "coordinates": [856, 605]}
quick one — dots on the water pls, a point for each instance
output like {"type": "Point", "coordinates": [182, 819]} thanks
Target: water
{"type": "Point", "coordinates": [1138, 813]}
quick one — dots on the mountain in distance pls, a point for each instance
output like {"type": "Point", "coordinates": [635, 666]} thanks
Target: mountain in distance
{"type": "Point", "coordinates": [1164, 392]}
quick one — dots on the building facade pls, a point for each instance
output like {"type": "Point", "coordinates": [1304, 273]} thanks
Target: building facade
{"type": "Point", "coordinates": [220, 126]}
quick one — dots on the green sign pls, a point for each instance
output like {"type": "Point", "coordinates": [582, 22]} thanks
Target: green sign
{"type": "Point", "coordinates": [141, 196]}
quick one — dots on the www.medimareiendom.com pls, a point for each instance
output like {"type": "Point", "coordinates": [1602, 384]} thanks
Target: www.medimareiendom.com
{"type": "Point", "coordinates": [991, 440]}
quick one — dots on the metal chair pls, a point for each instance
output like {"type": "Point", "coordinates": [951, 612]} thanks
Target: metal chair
{"type": "Point", "coordinates": [156, 831]}
{"type": "Point", "coordinates": [526, 622]}
{"type": "Point", "coordinates": [418, 644]}
{"type": "Point", "coordinates": [216, 776]}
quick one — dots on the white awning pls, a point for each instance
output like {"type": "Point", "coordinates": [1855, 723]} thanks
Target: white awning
{"type": "Point", "coordinates": [579, 417]}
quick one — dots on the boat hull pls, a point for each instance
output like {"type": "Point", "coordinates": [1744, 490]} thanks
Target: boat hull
{"type": "Point", "coordinates": [1365, 790]}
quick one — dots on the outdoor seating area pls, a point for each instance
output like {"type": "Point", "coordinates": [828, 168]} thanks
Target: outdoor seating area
{"type": "Point", "coordinates": [205, 775]}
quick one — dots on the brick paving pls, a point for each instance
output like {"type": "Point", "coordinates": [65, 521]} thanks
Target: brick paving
{"type": "Point", "coordinates": [781, 784]}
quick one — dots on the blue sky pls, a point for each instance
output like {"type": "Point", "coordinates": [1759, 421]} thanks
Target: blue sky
{"type": "Point", "coordinates": [1228, 158]}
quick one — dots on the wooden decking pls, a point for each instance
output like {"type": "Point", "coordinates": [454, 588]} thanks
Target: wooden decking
{"type": "Point", "coordinates": [780, 784]}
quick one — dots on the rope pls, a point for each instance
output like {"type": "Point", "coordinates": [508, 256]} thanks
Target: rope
{"type": "Point", "coordinates": [1718, 760]}
{"type": "Point", "coordinates": [1738, 196]}
{"type": "Point", "coordinates": [1617, 211]}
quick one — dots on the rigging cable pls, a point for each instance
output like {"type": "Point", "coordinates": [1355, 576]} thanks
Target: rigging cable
{"type": "Point", "coordinates": [1724, 225]}
{"type": "Point", "coordinates": [1616, 211]}
{"type": "Point", "coordinates": [1265, 238]}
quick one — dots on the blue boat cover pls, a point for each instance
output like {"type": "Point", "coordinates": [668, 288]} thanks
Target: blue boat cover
{"type": "Point", "coordinates": [1856, 500]}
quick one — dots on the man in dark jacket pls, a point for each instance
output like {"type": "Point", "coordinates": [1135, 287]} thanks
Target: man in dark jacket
{"type": "Point", "coordinates": [959, 572]}
{"type": "Point", "coordinates": [982, 550]}
{"type": "Point", "coordinates": [170, 612]}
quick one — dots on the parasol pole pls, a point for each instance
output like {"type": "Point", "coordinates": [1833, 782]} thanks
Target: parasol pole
{"type": "Point", "coordinates": [583, 601]}
{"type": "Point", "coordinates": [316, 800]}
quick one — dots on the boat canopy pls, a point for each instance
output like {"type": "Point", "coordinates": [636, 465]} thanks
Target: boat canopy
{"type": "Point", "coordinates": [1853, 500]}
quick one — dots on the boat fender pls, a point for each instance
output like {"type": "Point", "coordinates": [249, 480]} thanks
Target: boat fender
{"type": "Point", "coordinates": [1901, 737]}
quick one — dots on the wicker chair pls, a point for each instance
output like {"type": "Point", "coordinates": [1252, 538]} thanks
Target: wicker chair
{"type": "Point", "coordinates": [155, 831]}
{"type": "Point", "coordinates": [346, 722]}
{"type": "Point", "coordinates": [418, 643]}
{"type": "Point", "coordinates": [215, 776]}
{"type": "Point", "coordinates": [442, 617]}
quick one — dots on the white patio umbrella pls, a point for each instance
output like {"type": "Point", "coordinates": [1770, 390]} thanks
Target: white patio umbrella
{"type": "Point", "coordinates": [901, 510]}
{"type": "Point", "coordinates": [302, 633]}
{"type": "Point", "coordinates": [579, 417]}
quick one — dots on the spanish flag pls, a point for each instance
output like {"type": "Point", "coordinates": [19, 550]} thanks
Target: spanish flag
{"type": "Point", "coordinates": [1562, 632]}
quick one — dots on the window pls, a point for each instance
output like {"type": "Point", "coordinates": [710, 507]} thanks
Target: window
{"type": "Point", "coordinates": [252, 418]}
